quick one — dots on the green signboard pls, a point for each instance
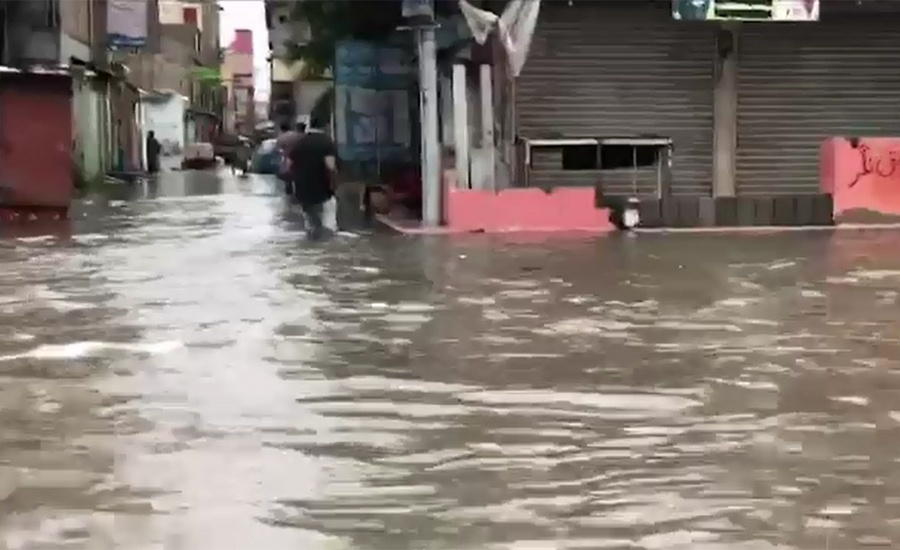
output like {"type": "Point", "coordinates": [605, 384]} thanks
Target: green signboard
{"type": "Point", "coordinates": [746, 10]}
{"type": "Point", "coordinates": [207, 74]}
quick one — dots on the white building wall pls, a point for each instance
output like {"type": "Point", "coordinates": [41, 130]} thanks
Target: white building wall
{"type": "Point", "coordinates": [166, 120]}
{"type": "Point", "coordinates": [87, 127]}
{"type": "Point", "coordinates": [70, 47]}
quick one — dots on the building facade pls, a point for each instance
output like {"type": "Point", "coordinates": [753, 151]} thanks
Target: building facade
{"type": "Point", "coordinates": [58, 63]}
{"type": "Point", "coordinates": [283, 79]}
{"type": "Point", "coordinates": [48, 51]}
{"type": "Point", "coordinates": [189, 49]}
{"type": "Point", "coordinates": [182, 12]}
{"type": "Point", "coordinates": [747, 106]}
{"type": "Point", "coordinates": [239, 80]}
{"type": "Point", "coordinates": [294, 92]}
{"type": "Point", "coordinates": [180, 55]}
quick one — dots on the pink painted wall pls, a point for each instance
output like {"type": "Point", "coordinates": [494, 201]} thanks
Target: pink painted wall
{"type": "Point", "coordinates": [243, 42]}
{"type": "Point", "coordinates": [861, 176]}
{"type": "Point", "coordinates": [522, 210]}
{"type": "Point", "coordinates": [238, 62]}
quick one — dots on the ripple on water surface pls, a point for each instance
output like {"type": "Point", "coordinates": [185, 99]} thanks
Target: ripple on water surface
{"type": "Point", "coordinates": [191, 374]}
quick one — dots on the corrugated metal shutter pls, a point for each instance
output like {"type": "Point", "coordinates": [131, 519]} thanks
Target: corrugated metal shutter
{"type": "Point", "coordinates": [620, 69]}
{"type": "Point", "coordinates": [801, 83]}
{"type": "Point", "coordinates": [33, 109]}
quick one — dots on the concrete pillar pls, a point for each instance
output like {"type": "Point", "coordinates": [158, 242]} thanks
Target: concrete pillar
{"type": "Point", "coordinates": [487, 124]}
{"type": "Point", "coordinates": [431, 147]}
{"type": "Point", "coordinates": [461, 125]}
{"type": "Point", "coordinates": [725, 100]}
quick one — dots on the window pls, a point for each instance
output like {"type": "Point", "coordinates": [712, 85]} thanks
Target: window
{"type": "Point", "coordinates": [613, 157]}
{"type": "Point", "coordinates": [579, 157]}
{"type": "Point", "coordinates": [189, 16]}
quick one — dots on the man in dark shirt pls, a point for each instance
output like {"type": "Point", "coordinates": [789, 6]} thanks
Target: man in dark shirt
{"type": "Point", "coordinates": [153, 150]}
{"type": "Point", "coordinates": [313, 169]}
{"type": "Point", "coordinates": [287, 137]}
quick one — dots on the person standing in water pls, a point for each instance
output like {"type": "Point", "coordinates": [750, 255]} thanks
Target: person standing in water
{"type": "Point", "coordinates": [153, 151]}
{"type": "Point", "coordinates": [242, 158]}
{"type": "Point", "coordinates": [312, 169]}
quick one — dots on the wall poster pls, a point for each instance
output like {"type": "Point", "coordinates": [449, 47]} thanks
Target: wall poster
{"type": "Point", "coordinates": [746, 10]}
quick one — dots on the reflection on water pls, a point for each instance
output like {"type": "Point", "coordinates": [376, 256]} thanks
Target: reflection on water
{"type": "Point", "coordinates": [189, 373]}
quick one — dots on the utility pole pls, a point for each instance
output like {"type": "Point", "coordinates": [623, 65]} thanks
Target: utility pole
{"type": "Point", "coordinates": [420, 14]}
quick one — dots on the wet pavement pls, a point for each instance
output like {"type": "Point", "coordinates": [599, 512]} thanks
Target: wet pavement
{"type": "Point", "coordinates": [186, 372]}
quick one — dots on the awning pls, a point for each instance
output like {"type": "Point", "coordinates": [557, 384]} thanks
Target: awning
{"type": "Point", "coordinates": [191, 111]}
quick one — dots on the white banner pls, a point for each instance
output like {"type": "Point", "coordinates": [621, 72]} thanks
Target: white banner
{"type": "Point", "coordinates": [516, 26]}
{"type": "Point", "coordinates": [126, 23]}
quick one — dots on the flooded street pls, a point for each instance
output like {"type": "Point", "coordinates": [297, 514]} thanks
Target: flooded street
{"type": "Point", "coordinates": [186, 372]}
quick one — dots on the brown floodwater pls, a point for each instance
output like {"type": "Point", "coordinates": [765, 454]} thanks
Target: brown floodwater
{"type": "Point", "coordinates": [184, 371]}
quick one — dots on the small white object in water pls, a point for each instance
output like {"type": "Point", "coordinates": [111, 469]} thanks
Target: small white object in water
{"type": "Point", "coordinates": [631, 218]}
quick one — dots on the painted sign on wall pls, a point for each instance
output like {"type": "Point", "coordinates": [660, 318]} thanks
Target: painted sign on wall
{"type": "Point", "coordinates": [862, 175]}
{"type": "Point", "coordinates": [126, 23]}
{"type": "Point", "coordinates": [372, 116]}
{"type": "Point", "coordinates": [746, 10]}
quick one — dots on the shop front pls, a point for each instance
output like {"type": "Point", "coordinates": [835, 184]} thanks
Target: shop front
{"type": "Point", "coordinates": [620, 73]}
{"type": "Point", "coordinates": [616, 96]}
{"type": "Point", "coordinates": [800, 84]}
{"type": "Point", "coordinates": [714, 99]}
{"type": "Point", "coordinates": [808, 93]}
{"type": "Point", "coordinates": [36, 157]}
{"type": "Point", "coordinates": [737, 113]}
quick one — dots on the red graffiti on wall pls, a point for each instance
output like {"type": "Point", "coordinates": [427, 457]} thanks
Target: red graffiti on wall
{"type": "Point", "coordinates": [885, 164]}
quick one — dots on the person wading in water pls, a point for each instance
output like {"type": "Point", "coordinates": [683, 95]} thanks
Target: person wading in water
{"type": "Point", "coordinates": [153, 150]}
{"type": "Point", "coordinates": [312, 165]}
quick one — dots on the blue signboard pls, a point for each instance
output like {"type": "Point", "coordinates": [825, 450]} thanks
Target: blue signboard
{"type": "Point", "coordinates": [372, 106]}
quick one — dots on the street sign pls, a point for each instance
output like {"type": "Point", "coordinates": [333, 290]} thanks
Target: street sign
{"type": "Point", "coordinates": [745, 10]}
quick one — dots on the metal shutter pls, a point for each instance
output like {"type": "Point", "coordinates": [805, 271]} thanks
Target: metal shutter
{"type": "Point", "coordinates": [801, 83]}
{"type": "Point", "coordinates": [616, 69]}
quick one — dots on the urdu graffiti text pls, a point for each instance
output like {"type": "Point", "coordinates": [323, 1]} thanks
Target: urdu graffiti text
{"type": "Point", "coordinates": [885, 164]}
